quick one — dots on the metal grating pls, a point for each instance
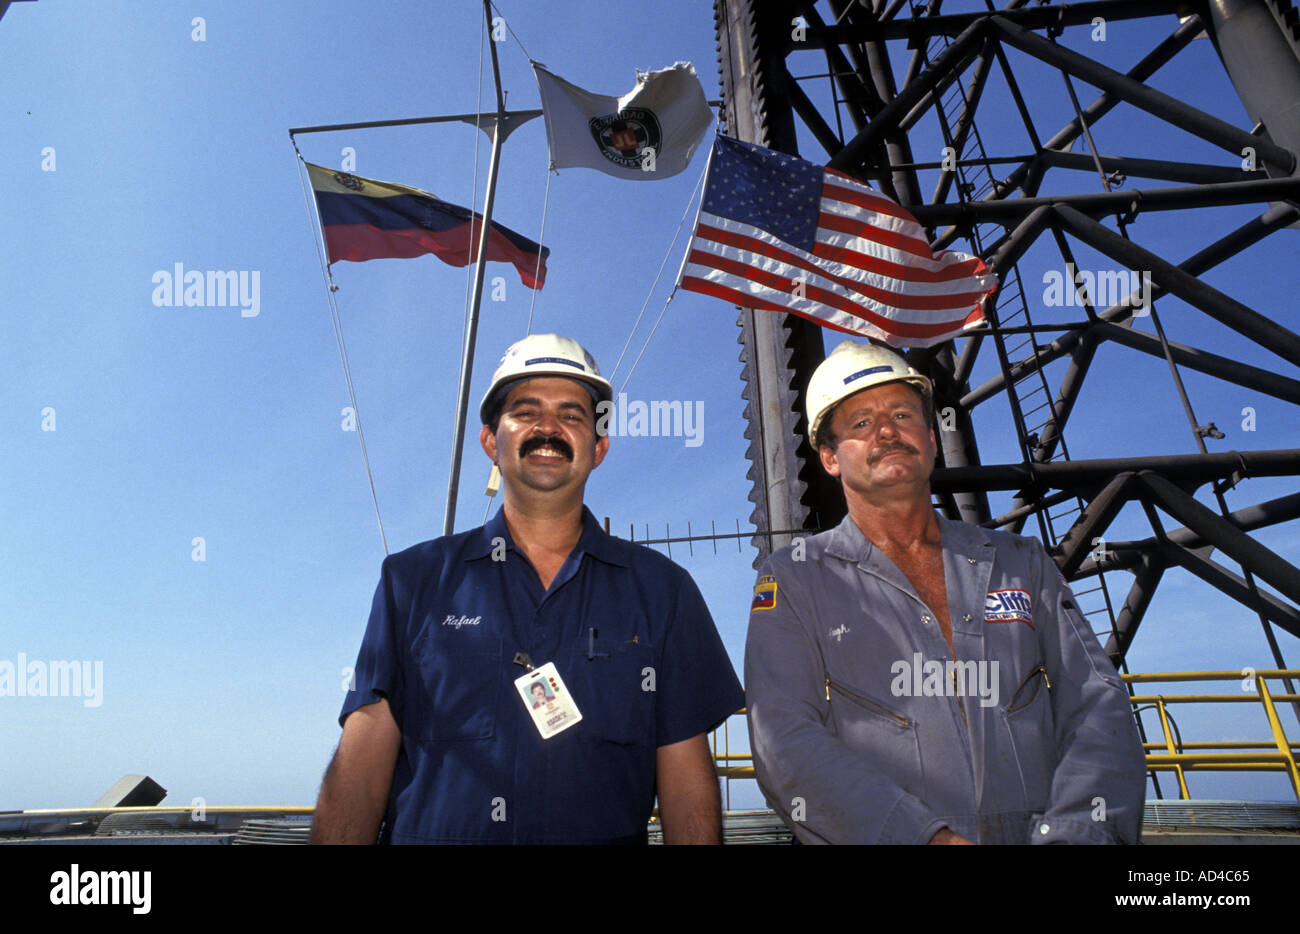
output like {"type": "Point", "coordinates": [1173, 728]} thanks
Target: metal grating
{"type": "Point", "coordinates": [130, 823]}
{"type": "Point", "coordinates": [741, 828]}
{"type": "Point", "coordinates": [1221, 815]}
{"type": "Point", "coordinates": [282, 831]}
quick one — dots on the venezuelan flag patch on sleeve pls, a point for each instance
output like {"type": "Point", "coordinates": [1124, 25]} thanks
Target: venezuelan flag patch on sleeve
{"type": "Point", "coordinates": [764, 593]}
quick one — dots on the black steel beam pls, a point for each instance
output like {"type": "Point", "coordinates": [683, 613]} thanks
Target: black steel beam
{"type": "Point", "coordinates": [953, 58]}
{"type": "Point", "coordinates": [1160, 105]}
{"type": "Point", "coordinates": [1092, 522]}
{"type": "Point", "coordinates": [892, 10]}
{"type": "Point", "coordinates": [1021, 238]}
{"type": "Point", "coordinates": [966, 362]}
{"type": "Point", "coordinates": [920, 28]}
{"type": "Point", "coordinates": [1067, 395]}
{"type": "Point", "coordinates": [920, 50]}
{"type": "Point", "coordinates": [1125, 555]}
{"type": "Point", "coordinates": [1235, 586]}
{"type": "Point", "coordinates": [1227, 311]}
{"type": "Point", "coordinates": [958, 445]}
{"type": "Point", "coordinates": [1088, 475]}
{"type": "Point", "coordinates": [1193, 173]}
{"type": "Point", "coordinates": [1240, 374]}
{"type": "Point", "coordinates": [978, 74]}
{"type": "Point", "coordinates": [1147, 66]}
{"type": "Point", "coordinates": [1225, 247]}
{"type": "Point", "coordinates": [1145, 581]}
{"type": "Point", "coordinates": [1098, 204]}
{"type": "Point", "coordinates": [1017, 515]}
{"type": "Point", "coordinates": [978, 81]}
{"type": "Point", "coordinates": [1071, 383]}
{"type": "Point", "coordinates": [902, 184]}
{"type": "Point", "coordinates": [1259, 560]}
{"type": "Point", "coordinates": [858, 95]}
{"type": "Point", "coordinates": [811, 117]}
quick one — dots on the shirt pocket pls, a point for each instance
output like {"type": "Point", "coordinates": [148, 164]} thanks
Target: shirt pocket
{"type": "Point", "coordinates": [1032, 736]}
{"type": "Point", "coordinates": [615, 690]}
{"type": "Point", "coordinates": [460, 673]}
{"type": "Point", "coordinates": [888, 737]}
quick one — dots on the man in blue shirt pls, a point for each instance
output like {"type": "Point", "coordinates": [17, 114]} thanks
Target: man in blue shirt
{"type": "Point", "coordinates": [441, 743]}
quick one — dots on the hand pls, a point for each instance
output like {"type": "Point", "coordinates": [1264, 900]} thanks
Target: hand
{"type": "Point", "coordinates": [946, 837]}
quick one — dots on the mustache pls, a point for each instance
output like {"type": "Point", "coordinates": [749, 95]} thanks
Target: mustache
{"type": "Point", "coordinates": [552, 441]}
{"type": "Point", "coordinates": [896, 446]}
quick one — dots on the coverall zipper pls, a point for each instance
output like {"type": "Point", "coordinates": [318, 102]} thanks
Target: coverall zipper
{"type": "Point", "coordinates": [865, 702]}
{"type": "Point", "coordinates": [1040, 670]}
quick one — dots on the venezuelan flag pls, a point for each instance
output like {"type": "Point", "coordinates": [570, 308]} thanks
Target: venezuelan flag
{"type": "Point", "coordinates": [367, 219]}
{"type": "Point", "coordinates": [764, 593]}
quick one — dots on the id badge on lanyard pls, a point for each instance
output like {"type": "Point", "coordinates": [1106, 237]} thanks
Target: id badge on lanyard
{"type": "Point", "coordinates": [545, 697]}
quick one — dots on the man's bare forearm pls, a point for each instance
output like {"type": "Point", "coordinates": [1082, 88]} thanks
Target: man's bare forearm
{"type": "Point", "coordinates": [350, 807]}
{"type": "Point", "coordinates": [354, 793]}
{"type": "Point", "coordinates": [697, 825]}
{"type": "Point", "coordinates": [690, 806]}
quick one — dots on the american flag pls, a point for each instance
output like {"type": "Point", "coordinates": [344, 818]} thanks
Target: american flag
{"type": "Point", "coordinates": [780, 233]}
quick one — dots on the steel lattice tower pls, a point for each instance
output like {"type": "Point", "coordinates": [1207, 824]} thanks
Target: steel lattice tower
{"type": "Point", "coordinates": [897, 94]}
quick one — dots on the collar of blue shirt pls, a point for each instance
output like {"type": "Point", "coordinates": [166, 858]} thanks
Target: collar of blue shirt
{"type": "Point", "coordinates": [593, 541]}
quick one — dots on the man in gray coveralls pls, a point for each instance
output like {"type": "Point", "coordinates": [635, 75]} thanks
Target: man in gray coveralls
{"type": "Point", "coordinates": [916, 680]}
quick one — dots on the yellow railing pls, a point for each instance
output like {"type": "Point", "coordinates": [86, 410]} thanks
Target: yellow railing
{"type": "Point", "coordinates": [1169, 753]}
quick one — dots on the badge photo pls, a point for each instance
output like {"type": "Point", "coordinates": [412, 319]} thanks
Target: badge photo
{"type": "Point", "coordinates": [547, 700]}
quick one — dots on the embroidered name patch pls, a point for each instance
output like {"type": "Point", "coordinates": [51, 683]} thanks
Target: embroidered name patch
{"type": "Point", "coordinates": [764, 593]}
{"type": "Point", "coordinates": [1009, 606]}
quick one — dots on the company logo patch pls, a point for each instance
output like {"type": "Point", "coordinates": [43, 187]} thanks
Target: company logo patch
{"type": "Point", "coordinates": [1009, 606]}
{"type": "Point", "coordinates": [624, 136]}
{"type": "Point", "coordinates": [764, 593]}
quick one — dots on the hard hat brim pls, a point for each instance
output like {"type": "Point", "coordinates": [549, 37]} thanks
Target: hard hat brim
{"type": "Point", "coordinates": [600, 390]}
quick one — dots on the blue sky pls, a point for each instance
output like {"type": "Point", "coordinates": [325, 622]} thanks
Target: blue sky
{"type": "Point", "coordinates": [222, 678]}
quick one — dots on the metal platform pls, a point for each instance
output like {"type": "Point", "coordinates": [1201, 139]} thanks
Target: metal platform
{"type": "Point", "coordinates": [1215, 823]}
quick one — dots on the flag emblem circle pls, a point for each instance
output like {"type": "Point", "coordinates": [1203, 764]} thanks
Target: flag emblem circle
{"type": "Point", "coordinates": [622, 137]}
{"type": "Point", "coordinates": [349, 181]}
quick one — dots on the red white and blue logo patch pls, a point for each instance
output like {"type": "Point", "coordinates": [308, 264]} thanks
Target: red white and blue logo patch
{"type": "Point", "coordinates": [1009, 606]}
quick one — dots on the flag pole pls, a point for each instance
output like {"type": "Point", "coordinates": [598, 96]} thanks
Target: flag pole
{"type": "Point", "coordinates": [471, 327]}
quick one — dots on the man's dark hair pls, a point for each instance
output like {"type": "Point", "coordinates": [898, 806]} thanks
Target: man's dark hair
{"type": "Point", "coordinates": [826, 435]}
{"type": "Point", "coordinates": [494, 417]}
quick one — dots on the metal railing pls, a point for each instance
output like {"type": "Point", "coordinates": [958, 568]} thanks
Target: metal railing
{"type": "Point", "coordinates": [1174, 755]}
{"type": "Point", "coordinates": [1171, 754]}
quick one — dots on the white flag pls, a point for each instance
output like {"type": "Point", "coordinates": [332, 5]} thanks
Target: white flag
{"type": "Point", "coordinates": [648, 133]}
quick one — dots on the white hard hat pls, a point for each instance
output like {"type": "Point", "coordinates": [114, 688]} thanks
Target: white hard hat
{"type": "Point", "coordinates": [544, 355]}
{"type": "Point", "coordinates": [852, 367]}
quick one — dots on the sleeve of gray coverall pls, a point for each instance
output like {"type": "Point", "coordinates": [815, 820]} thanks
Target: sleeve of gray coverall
{"type": "Point", "coordinates": [825, 791]}
{"type": "Point", "coordinates": [1100, 781]}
